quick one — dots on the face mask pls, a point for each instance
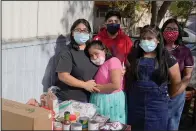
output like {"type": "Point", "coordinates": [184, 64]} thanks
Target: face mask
{"type": "Point", "coordinates": [148, 45]}
{"type": "Point", "coordinates": [99, 61]}
{"type": "Point", "coordinates": [113, 28]}
{"type": "Point", "coordinates": [170, 36]}
{"type": "Point", "coordinates": [81, 38]}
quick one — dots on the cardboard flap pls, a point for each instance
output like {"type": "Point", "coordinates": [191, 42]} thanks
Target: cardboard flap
{"type": "Point", "coordinates": [23, 109]}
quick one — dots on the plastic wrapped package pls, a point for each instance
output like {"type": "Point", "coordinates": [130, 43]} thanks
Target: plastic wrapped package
{"type": "Point", "coordinates": [112, 126]}
{"type": "Point", "coordinates": [53, 89]}
{"type": "Point", "coordinates": [77, 108]}
{"type": "Point", "coordinates": [100, 119]}
{"type": "Point", "coordinates": [52, 102]}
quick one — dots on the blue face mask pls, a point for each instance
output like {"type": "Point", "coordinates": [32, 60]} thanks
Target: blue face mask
{"type": "Point", "coordinates": [148, 45]}
{"type": "Point", "coordinates": [113, 28]}
{"type": "Point", "coordinates": [81, 38]}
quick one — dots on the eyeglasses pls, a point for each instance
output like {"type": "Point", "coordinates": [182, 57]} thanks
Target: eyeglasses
{"type": "Point", "coordinates": [82, 31]}
{"type": "Point", "coordinates": [171, 29]}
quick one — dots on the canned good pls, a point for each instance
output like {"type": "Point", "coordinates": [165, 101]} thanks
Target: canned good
{"type": "Point", "coordinates": [58, 126]}
{"type": "Point", "coordinates": [84, 122]}
{"type": "Point", "coordinates": [66, 127]}
{"type": "Point", "coordinates": [93, 125]}
{"type": "Point", "coordinates": [76, 126]}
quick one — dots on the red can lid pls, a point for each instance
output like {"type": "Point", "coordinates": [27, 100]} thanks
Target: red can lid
{"type": "Point", "coordinates": [72, 117]}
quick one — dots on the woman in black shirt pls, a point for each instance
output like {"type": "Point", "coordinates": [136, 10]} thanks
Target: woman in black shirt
{"type": "Point", "coordinates": [74, 68]}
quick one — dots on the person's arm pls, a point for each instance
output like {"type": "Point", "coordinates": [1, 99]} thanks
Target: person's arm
{"type": "Point", "coordinates": [190, 94]}
{"type": "Point", "coordinates": [115, 71]}
{"type": "Point", "coordinates": [187, 72]}
{"type": "Point", "coordinates": [70, 80]}
{"type": "Point", "coordinates": [73, 82]}
{"type": "Point", "coordinates": [174, 74]}
{"type": "Point", "coordinates": [186, 79]}
{"type": "Point", "coordinates": [177, 86]}
{"type": "Point", "coordinates": [64, 68]}
{"type": "Point", "coordinates": [175, 80]}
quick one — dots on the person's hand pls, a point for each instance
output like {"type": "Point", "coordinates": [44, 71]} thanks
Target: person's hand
{"type": "Point", "coordinates": [190, 94]}
{"type": "Point", "coordinates": [33, 102]}
{"type": "Point", "coordinates": [42, 96]}
{"type": "Point", "coordinates": [123, 72]}
{"type": "Point", "coordinates": [124, 69]}
{"type": "Point", "coordinates": [90, 86]}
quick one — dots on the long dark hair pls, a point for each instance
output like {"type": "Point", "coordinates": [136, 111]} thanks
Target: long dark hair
{"type": "Point", "coordinates": [137, 52]}
{"type": "Point", "coordinates": [180, 30]}
{"type": "Point", "coordinates": [99, 46]}
{"type": "Point", "coordinates": [76, 23]}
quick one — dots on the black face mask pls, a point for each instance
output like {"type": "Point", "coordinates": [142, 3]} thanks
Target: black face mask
{"type": "Point", "coordinates": [113, 28]}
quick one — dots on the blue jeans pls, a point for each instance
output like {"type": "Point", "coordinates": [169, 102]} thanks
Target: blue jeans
{"type": "Point", "coordinates": [176, 106]}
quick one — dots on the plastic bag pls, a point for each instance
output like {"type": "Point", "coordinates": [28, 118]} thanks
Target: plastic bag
{"type": "Point", "coordinates": [77, 108]}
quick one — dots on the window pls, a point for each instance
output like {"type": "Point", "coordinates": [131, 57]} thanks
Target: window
{"type": "Point", "coordinates": [101, 11]}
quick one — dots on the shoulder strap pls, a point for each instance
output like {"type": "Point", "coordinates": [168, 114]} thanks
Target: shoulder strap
{"type": "Point", "coordinates": [137, 70]}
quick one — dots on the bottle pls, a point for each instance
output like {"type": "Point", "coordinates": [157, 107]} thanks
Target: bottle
{"type": "Point", "coordinates": [66, 122]}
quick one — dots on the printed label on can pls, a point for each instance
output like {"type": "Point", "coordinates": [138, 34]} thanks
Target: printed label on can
{"type": "Point", "coordinates": [93, 125]}
{"type": "Point", "coordinates": [76, 126]}
{"type": "Point", "coordinates": [57, 126]}
{"type": "Point", "coordinates": [66, 127]}
{"type": "Point", "coordinates": [84, 122]}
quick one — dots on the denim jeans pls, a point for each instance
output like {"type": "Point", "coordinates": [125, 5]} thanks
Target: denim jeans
{"type": "Point", "coordinates": [176, 106]}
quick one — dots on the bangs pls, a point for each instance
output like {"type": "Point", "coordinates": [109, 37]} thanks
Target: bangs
{"type": "Point", "coordinates": [145, 31]}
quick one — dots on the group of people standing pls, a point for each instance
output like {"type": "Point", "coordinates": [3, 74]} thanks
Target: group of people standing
{"type": "Point", "coordinates": [142, 85]}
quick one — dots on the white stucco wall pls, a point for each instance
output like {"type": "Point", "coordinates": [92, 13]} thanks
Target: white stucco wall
{"type": "Point", "coordinates": [27, 19]}
{"type": "Point", "coordinates": [23, 68]}
{"type": "Point", "coordinates": [24, 63]}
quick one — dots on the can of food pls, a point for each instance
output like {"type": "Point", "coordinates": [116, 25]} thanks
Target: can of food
{"type": "Point", "coordinates": [58, 126]}
{"type": "Point", "coordinates": [76, 126]}
{"type": "Point", "coordinates": [66, 127]}
{"type": "Point", "coordinates": [84, 122]}
{"type": "Point", "coordinates": [93, 125]}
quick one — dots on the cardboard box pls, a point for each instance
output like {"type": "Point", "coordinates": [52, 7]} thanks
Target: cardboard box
{"type": "Point", "coordinates": [18, 116]}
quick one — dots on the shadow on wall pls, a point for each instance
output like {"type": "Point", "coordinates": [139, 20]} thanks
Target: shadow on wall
{"type": "Point", "coordinates": [50, 76]}
{"type": "Point", "coordinates": [74, 10]}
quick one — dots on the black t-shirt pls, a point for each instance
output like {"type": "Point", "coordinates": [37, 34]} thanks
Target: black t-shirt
{"type": "Point", "coordinates": [171, 60]}
{"type": "Point", "coordinates": [79, 66]}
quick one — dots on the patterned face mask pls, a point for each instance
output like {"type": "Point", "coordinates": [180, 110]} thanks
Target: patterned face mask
{"type": "Point", "coordinates": [170, 36]}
